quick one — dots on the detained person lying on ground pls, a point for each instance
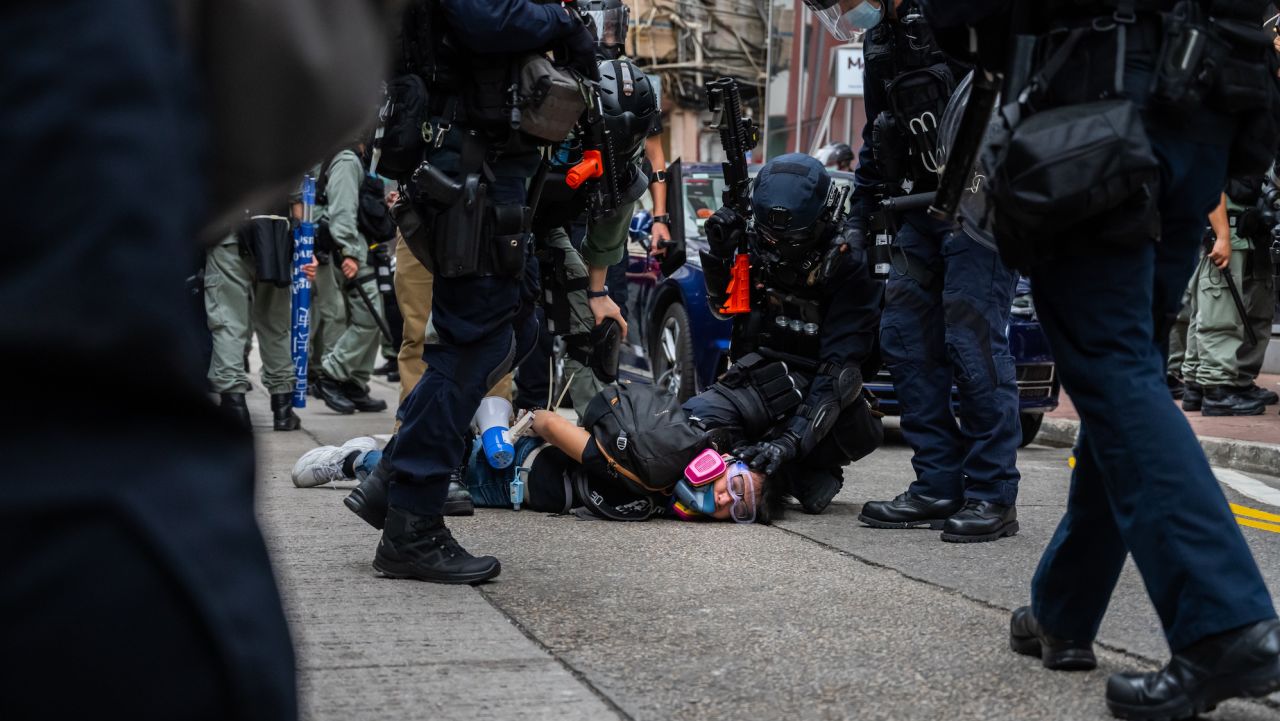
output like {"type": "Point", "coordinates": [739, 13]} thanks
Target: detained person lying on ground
{"type": "Point", "coordinates": [563, 469]}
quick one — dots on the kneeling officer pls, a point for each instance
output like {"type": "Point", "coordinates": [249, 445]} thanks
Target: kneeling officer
{"type": "Point", "coordinates": [813, 305]}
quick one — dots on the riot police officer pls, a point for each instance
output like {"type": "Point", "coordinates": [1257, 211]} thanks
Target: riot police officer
{"type": "Point", "coordinates": [470, 224]}
{"type": "Point", "coordinates": [947, 301]}
{"type": "Point", "coordinates": [1141, 484]}
{"type": "Point", "coordinates": [812, 308]}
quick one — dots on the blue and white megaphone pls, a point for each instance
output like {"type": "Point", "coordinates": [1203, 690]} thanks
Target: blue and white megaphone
{"type": "Point", "coordinates": [493, 422]}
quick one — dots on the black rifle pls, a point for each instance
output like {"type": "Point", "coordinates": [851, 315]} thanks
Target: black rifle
{"type": "Point", "coordinates": [738, 135]}
{"type": "Point", "coordinates": [1250, 336]}
{"type": "Point", "coordinates": [598, 169]}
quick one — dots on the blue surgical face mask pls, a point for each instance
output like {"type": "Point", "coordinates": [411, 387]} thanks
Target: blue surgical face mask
{"type": "Point", "coordinates": [864, 17]}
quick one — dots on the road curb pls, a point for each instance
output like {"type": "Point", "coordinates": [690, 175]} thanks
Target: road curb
{"type": "Point", "coordinates": [1222, 452]}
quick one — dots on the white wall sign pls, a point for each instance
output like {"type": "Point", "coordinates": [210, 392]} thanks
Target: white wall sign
{"type": "Point", "coordinates": [849, 66]}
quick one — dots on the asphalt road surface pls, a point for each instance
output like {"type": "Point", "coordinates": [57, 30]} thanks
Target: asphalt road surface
{"type": "Point", "coordinates": [817, 617]}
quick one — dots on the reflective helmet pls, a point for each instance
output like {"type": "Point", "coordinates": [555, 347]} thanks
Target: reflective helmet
{"type": "Point", "coordinates": [790, 203]}
{"type": "Point", "coordinates": [842, 155]}
{"type": "Point", "coordinates": [609, 20]}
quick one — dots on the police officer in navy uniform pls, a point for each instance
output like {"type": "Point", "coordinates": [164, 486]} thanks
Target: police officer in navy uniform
{"type": "Point", "coordinates": [815, 308]}
{"type": "Point", "coordinates": [1141, 483]}
{"type": "Point", "coordinates": [481, 317]}
{"type": "Point", "coordinates": [947, 301]}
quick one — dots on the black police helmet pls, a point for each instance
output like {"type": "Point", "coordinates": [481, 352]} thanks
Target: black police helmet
{"type": "Point", "coordinates": [629, 103]}
{"type": "Point", "coordinates": [789, 204]}
{"type": "Point", "coordinates": [609, 20]}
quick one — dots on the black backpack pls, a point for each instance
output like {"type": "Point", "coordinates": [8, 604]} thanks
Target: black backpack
{"type": "Point", "coordinates": [373, 218]}
{"type": "Point", "coordinates": [644, 435]}
{"type": "Point", "coordinates": [401, 136]}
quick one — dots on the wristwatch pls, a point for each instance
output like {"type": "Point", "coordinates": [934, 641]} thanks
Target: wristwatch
{"type": "Point", "coordinates": [598, 293]}
{"type": "Point", "coordinates": [665, 219]}
{"type": "Point", "coordinates": [659, 176]}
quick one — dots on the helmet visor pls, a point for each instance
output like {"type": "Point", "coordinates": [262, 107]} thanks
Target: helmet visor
{"type": "Point", "coordinates": [610, 25]}
{"type": "Point", "coordinates": [847, 19]}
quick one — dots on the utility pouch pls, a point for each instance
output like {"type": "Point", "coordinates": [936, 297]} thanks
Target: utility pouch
{"type": "Point", "coordinates": [1190, 60]}
{"type": "Point", "coordinates": [1079, 174]}
{"type": "Point", "coordinates": [889, 148]}
{"type": "Point", "coordinates": [404, 118]}
{"type": "Point", "coordinates": [269, 241]}
{"type": "Point", "coordinates": [918, 98]}
{"type": "Point", "coordinates": [414, 232]}
{"type": "Point", "coordinates": [487, 99]}
{"type": "Point", "coordinates": [459, 230]}
{"type": "Point", "coordinates": [550, 100]}
{"type": "Point", "coordinates": [509, 231]}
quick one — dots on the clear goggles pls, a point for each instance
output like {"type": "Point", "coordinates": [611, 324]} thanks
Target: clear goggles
{"type": "Point", "coordinates": [696, 496]}
{"type": "Point", "coordinates": [847, 20]}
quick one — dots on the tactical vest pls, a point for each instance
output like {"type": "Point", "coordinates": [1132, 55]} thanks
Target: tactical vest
{"type": "Point", "coordinates": [786, 316]}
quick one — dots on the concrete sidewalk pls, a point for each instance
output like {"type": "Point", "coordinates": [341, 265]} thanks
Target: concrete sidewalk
{"type": "Point", "coordinates": [1243, 443]}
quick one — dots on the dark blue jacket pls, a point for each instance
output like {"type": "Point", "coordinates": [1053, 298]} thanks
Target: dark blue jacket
{"type": "Point", "coordinates": [507, 26]}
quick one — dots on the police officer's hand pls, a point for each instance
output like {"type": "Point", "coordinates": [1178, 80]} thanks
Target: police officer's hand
{"type": "Point", "coordinates": [580, 51]}
{"type": "Point", "coordinates": [604, 307]}
{"type": "Point", "coordinates": [309, 269]}
{"type": "Point", "coordinates": [1220, 255]}
{"type": "Point", "coordinates": [725, 230]}
{"type": "Point", "coordinates": [768, 457]}
{"type": "Point", "coordinates": [850, 237]}
{"type": "Point", "coordinates": [349, 268]}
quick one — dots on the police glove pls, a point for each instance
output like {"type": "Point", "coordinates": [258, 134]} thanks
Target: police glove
{"type": "Point", "coordinates": [580, 52]}
{"type": "Point", "coordinates": [725, 232]}
{"type": "Point", "coordinates": [768, 457]}
{"type": "Point", "coordinates": [841, 243]}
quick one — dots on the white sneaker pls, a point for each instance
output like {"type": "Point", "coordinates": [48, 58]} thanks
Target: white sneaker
{"type": "Point", "coordinates": [322, 465]}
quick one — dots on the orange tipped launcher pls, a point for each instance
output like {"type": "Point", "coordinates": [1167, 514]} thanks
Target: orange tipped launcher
{"type": "Point", "coordinates": [592, 166]}
{"type": "Point", "coordinates": [739, 289]}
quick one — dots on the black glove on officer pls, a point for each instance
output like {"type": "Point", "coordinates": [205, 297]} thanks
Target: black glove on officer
{"type": "Point", "coordinates": [848, 238]}
{"type": "Point", "coordinates": [769, 456]}
{"type": "Point", "coordinates": [725, 232]}
{"type": "Point", "coordinates": [580, 52]}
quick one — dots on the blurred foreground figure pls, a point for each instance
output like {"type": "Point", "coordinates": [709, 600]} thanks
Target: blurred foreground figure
{"type": "Point", "coordinates": [136, 582]}
{"type": "Point", "coordinates": [1107, 294]}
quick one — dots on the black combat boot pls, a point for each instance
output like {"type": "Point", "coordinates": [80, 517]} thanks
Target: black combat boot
{"type": "Point", "coordinates": [369, 499]}
{"type": "Point", "coordinates": [1241, 662]}
{"type": "Point", "coordinates": [328, 390]}
{"type": "Point", "coordinates": [1176, 387]}
{"type": "Point", "coordinates": [909, 510]}
{"type": "Point", "coordinates": [385, 368]}
{"type": "Point", "coordinates": [422, 547]}
{"type": "Point", "coordinates": [1027, 638]}
{"type": "Point", "coordinates": [1227, 401]}
{"type": "Point", "coordinates": [233, 403]}
{"type": "Point", "coordinates": [815, 487]}
{"type": "Point", "coordinates": [1192, 396]}
{"type": "Point", "coordinates": [283, 417]}
{"type": "Point", "coordinates": [1258, 393]}
{"type": "Point", "coordinates": [361, 399]}
{"type": "Point", "coordinates": [980, 521]}
{"type": "Point", "coordinates": [458, 502]}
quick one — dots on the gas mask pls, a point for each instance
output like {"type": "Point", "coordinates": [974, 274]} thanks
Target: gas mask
{"type": "Point", "coordinates": [695, 493]}
{"type": "Point", "coordinates": [848, 23]}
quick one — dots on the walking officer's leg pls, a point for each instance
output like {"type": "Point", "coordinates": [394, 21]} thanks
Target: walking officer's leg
{"type": "Point", "coordinates": [272, 321]}
{"type": "Point", "coordinates": [912, 342]}
{"type": "Point", "coordinates": [228, 293]}
{"type": "Point", "coordinates": [413, 291]}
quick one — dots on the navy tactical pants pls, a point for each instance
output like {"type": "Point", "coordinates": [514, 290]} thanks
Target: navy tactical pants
{"type": "Point", "coordinates": [1141, 483]}
{"type": "Point", "coordinates": [953, 328]}
{"type": "Point", "coordinates": [479, 326]}
{"type": "Point", "coordinates": [136, 584]}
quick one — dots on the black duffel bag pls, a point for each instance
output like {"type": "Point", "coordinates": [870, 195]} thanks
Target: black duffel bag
{"type": "Point", "coordinates": [1070, 177]}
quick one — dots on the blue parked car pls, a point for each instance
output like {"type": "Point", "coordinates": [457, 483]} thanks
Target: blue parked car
{"type": "Point", "coordinates": [676, 342]}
